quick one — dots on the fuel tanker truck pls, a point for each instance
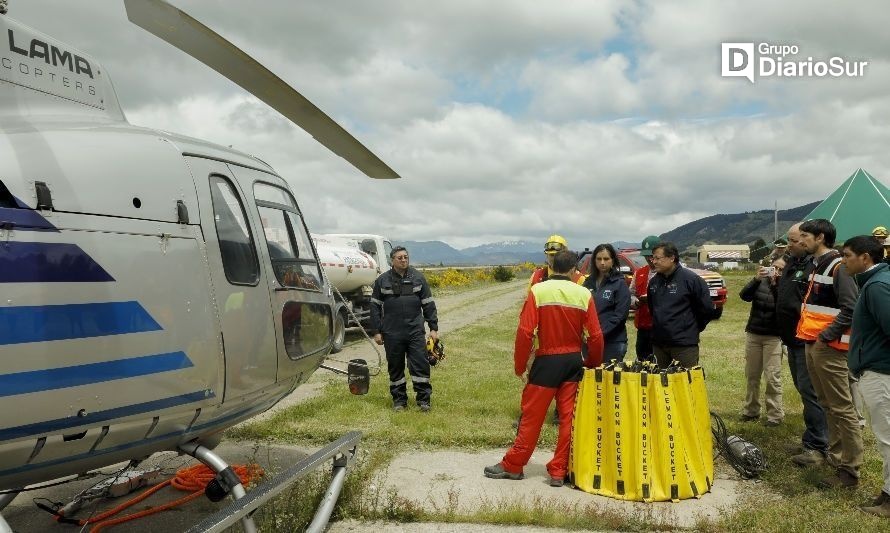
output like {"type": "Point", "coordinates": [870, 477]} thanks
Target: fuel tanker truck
{"type": "Point", "coordinates": [351, 263]}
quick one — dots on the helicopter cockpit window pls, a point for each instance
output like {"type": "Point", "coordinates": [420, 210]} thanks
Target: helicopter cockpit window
{"type": "Point", "coordinates": [301, 236]}
{"type": "Point", "coordinates": [387, 249]}
{"type": "Point", "coordinates": [235, 241]}
{"type": "Point", "coordinates": [293, 259]}
{"type": "Point", "coordinates": [275, 195]}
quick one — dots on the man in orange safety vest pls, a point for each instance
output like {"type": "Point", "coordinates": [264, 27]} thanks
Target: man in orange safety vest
{"type": "Point", "coordinates": [825, 318]}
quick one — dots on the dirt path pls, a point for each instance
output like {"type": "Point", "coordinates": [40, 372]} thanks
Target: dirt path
{"type": "Point", "coordinates": [459, 485]}
{"type": "Point", "coordinates": [455, 311]}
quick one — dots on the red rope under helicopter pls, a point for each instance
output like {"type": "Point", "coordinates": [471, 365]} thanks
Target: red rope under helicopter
{"type": "Point", "coordinates": [192, 479]}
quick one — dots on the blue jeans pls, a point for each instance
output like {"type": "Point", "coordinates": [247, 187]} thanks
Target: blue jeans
{"type": "Point", "coordinates": [815, 436]}
{"type": "Point", "coordinates": [614, 351]}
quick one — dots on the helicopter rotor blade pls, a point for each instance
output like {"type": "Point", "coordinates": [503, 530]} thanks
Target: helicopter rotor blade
{"type": "Point", "coordinates": [197, 40]}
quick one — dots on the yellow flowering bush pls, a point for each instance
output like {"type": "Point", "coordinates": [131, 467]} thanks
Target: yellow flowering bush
{"type": "Point", "coordinates": [450, 278]}
{"type": "Point", "coordinates": [482, 274]}
{"type": "Point", "coordinates": [528, 266]}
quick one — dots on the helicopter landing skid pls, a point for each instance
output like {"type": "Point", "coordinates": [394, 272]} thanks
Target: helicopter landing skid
{"type": "Point", "coordinates": [226, 480]}
{"type": "Point", "coordinates": [342, 451]}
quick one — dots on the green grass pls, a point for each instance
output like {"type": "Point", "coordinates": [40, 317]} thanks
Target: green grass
{"type": "Point", "coordinates": [476, 398]}
{"type": "Point", "coordinates": [490, 395]}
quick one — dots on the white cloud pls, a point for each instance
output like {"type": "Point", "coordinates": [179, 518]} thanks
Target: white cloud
{"type": "Point", "coordinates": [512, 120]}
{"type": "Point", "coordinates": [564, 90]}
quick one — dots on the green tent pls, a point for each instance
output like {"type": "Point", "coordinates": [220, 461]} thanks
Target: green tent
{"type": "Point", "coordinates": [859, 205]}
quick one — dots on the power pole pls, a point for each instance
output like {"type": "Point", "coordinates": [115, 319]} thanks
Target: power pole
{"type": "Point", "coordinates": [776, 222]}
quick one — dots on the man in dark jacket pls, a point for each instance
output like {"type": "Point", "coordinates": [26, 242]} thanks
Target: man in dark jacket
{"type": "Point", "coordinates": [400, 302]}
{"type": "Point", "coordinates": [792, 287]}
{"type": "Point", "coordinates": [681, 308]}
{"type": "Point", "coordinates": [763, 349]}
{"type": "Point", "coordinates": [869, 355]}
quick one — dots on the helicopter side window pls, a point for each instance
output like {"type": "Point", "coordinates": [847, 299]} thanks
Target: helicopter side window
{"type": "Point", "coordinates": [263, 192]}
{"type": "Point", "coordinates": [236, 245]}
{"type": "Point", "coordinates": [387, 249]}
{"type": "Point", "coordinates": [294, 267]}
{"type": "Point", "coordinates": [301, 236]}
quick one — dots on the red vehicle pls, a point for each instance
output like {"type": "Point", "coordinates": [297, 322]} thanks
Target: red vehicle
{"type": "Point", "coordinates": [629, 260]}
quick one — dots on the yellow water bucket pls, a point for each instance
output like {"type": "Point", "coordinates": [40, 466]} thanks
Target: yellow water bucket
{"type": "Point", "coordinates": [641, 435]}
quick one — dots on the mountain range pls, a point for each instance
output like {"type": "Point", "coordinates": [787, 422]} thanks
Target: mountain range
{"type": "Point", "coordinates": [497, 253]}
{"type": "Point", "coordinates": [739, 228]}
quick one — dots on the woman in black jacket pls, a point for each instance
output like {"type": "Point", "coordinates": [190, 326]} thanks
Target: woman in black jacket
{"type": "Point", "coordinates": [763, 347]}
{"type": "Point", "coordinates": [612, 297]}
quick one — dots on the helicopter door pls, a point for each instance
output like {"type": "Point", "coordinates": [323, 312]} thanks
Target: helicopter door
{"type": "Point", "coordinates": [302, 309]}
{"type": "Point", "coordinates": [242, 294]}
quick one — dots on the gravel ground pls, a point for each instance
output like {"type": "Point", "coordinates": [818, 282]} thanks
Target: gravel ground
{"type": "Point", "coordinates": [354, 526]}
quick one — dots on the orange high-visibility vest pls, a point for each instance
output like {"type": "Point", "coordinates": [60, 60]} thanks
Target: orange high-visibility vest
{"type": "Point", "coordinates": [818, 312]}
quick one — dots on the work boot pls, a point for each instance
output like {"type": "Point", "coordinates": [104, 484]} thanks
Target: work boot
{"type": "Point", "coordinates": [497, 472]}
{"type": "Point", "coordinates": [882, 510]}
{"type": "Point", "coordinates": [748, 418]}
{"type": "Point", "coordinates": [808, 457]}
{"type": "Point", "coordinates": [840, 480]}
{"type": "Point", "coordinates": [424, 407]}
{"type": "Point", "coordinates": [772, 423]}
{"type": "Point", "coordinates": [398, 407]}
{"type": "Point", "coordinates": [557, 482]}
{"type": "Point", "coordinates": [793, 449]}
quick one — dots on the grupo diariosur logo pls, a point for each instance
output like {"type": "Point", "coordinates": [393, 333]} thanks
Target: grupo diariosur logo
{"type": "Point", "coordinates": [783, 60]}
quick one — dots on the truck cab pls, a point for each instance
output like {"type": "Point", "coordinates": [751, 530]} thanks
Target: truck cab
{"type": "Point", "coordinates": [352, 261]}
{"type": "Point", "coordinates": [627, 264]}
{"type": "Point", "coordinates": [377, 246]}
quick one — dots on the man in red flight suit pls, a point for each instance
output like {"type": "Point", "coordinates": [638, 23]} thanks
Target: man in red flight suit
{"type": "Point", "coordinates": [555, 244]}
{"type": "Point", "coordinates": [557, 311]}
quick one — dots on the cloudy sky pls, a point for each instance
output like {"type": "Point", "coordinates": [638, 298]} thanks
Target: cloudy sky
{"type": "Point", "coordinates": [513, 119]}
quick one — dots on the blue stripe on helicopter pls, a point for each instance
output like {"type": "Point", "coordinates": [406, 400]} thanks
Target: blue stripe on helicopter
{"type": "Point", "coordinates": [48, 262]}
{"type": "Point", "coordinates": [90, 373]}
{"type": "Point", "coordinates": [59, 424]}
{"type": "Point", "coordinates": [24, 219]}
{"type": "Point", "coordinates": [42, 323]}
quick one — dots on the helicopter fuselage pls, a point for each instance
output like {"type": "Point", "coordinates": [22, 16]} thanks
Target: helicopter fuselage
{"type": "Point", "coordinates": [157, 288]}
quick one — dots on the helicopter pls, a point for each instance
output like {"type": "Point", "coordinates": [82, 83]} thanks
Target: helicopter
{"type": "Point", "coordinates": [108, 353]}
